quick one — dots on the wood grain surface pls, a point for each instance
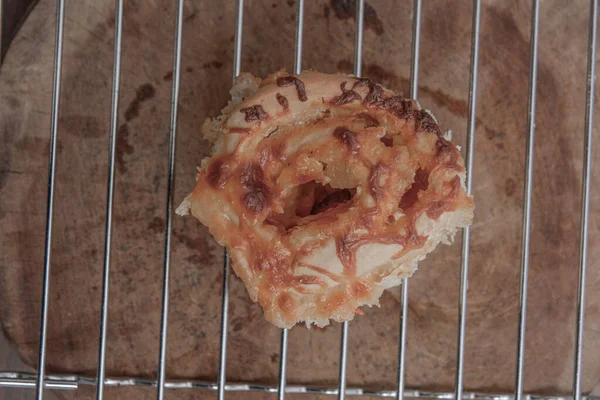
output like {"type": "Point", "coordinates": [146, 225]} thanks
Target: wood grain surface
{"type": "Point", "coordinates": [195, 309]}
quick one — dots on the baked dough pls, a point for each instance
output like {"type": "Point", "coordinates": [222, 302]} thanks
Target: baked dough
{"type": "Point", "coordinates": [326, 190]}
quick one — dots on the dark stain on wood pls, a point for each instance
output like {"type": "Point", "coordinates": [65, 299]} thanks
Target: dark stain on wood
{"type": "Point", "coordinates": [144, 92]}
{"type": "Point", "coordinates": [510, 187]}
{"type": "Point", "coordinates": [82, 125]}
{"type": "Point", "coordinates": [123, 147]}
{"type": "Point", "coordinates": [346, 9]}
{"type": "Point", "coordinates": [213, 64]}
{"type": "Point", "coordinates": [157, 225]}
{"type": "Point", "coordinates": [199, 245]}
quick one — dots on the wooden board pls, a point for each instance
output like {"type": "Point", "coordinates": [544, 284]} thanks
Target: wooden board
{"type": "Point", "coordinates": [12, 15]}
{"type": "Point", "coordinates": [139, 215]}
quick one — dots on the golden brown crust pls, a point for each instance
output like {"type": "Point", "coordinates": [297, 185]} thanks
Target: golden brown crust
{"type": "Point", "coordinates": [327, 189]}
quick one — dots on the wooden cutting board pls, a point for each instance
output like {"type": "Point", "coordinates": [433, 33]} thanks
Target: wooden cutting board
{"type": "Point", "coordinates": [195, 309]}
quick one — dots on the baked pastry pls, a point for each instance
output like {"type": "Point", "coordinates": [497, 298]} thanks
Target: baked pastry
{"type": "Point", "coordinates": [326, 190]}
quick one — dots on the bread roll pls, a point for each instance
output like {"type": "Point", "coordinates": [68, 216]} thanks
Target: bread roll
{"type": "Point", "coordinates": [326, 190]}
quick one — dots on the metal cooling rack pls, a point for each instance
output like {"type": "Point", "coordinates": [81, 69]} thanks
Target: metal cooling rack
{"type": "Point", "coordinates": [41, 381]}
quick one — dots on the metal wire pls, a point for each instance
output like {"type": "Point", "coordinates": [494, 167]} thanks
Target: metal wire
{"type": "Point", "coordinates": [358, 39]}
{"type": "Point", "coordinates": [341, 392]}
{"type": "Point", "coordinates": [109, 196]}
{"type": "Point", "coordinates": [224, 326]}
{"type": "Point", "coordinates": [162, 355]}
{"type": "Point", "coordinates": [237, 67]}
{"type": "Point", "coordinates": [237, 51]}
{"type": "Point", "coordinates": [402, 340]}
{"type": "Point", "coordinates": [282, 365]}
{"type": "Point", "coordinates": [416, 43]}
{"type": "Point", "coordinates": [299, 37]}
{"type": "Point", "coordinates": [535, 19]}
{"type": "Point", "coordinates": [297, 69]}
{"type": "Point", "coordinates": [60, 17]}
{"type": "Point", "coordinates": [23, 379]}
{"type": "Point", "coordinates": [585, 197]}
{"type": "Point", "coordinates": [466, 237]}
{"type": "Point", "coordinates": [414, 89]}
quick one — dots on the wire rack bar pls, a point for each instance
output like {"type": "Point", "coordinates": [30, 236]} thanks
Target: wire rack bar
{"type": "Point", "coordinates": [585, 197]}
{"type": "Point", "coordinates": [237, 50]}
{"type": "Point", "coordinates": [358, 37]}
{"type": "Point", "coordinates": [466, 237]}
{"type": "Point", "coordinates": [282, 365]}
{"type": "Point", "coordinates": [535, 19]}
{"type": "Point", "coordinates": [416, 43]}
{"type": "Point", "coordinates": [60, 17]}
{"type": "Point", "coordinates": [109, 196]}
{"type": "Point", "coordinates": [23, 379]}
{"type": "Point", "coordinates": [299, 37]}
{"type": "Point", "coordinates": [341, 390]}
{"type": "Point", "coordinates": [164, 319]}
{"type": "Point", "coordinates": [31, 384]}
{"type": "Point", "coordinates": [414, 89]}
{"type": "Point", "coordinates": [237, 68]}
{"type": "Point", "coordinates": [224, 326]}
{"type": "Point", "coordinates": [358, 42]}
{"type": "Point", "coordinates": [402, 340]}
{"type": "Point", "coordinates": [297, 70]}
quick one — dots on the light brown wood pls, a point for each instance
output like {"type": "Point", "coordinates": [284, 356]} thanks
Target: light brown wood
{"type": "Point", "coordinates": [194, 320]}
